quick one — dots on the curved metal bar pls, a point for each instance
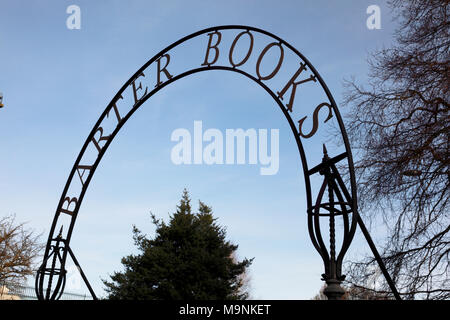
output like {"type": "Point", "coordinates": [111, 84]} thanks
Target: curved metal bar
{"type": "Point", "coordinates": [341, 186]}
{"type": "Point", "coordinates": [315, 231]}
{"type": "Point", "coordinates": [147, 96]}
{"type": "Point", "coordinates": [346, 234]}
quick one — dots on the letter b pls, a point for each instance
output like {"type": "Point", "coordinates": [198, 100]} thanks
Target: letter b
{"type": "Point", "coordinates": [210, 46]}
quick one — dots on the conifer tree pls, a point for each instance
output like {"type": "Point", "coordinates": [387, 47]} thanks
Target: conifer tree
{"type": "Point", "coordinates": [188, 259]}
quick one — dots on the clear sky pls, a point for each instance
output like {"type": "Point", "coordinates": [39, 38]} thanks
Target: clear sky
{"type": "Point", "coordinates": [56, 82]}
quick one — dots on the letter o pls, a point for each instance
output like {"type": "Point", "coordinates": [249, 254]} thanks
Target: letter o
{"type": "Point", "coordinates": [230, 56]}
{"type": "Point", "coordinates": [277, 68]}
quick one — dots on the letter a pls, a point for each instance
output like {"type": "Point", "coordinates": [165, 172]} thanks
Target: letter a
{"type": "Point", "coordinates": [374, 20]}
{"type": "Point", "coordinates": [181, 152]}
{"type": "Point", "coordinates": [74, 20]}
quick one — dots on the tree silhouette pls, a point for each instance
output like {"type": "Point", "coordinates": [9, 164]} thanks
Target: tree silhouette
{"type": "Point", "coordinates": [188, 259]}
{"type": "Point", "coordinates": [19, 248]}
{"type": "Point", "coordinates": [400, 128]}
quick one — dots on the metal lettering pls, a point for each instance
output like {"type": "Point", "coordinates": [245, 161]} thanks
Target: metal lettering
{"type": "Point", "coordinates": [216, 49]}
{"type": "Point", "coordinates": [119, 118]}
{"type": "Point", "coordinates": [315, 120]}
{"type": "Point", "coordinates": [168, 75]}
{"type": "Point", "coordinates": [230, 56]}
{"type": "Point", "coordinates": [294, 84]}
{"type": "Point", "coordinates": [84, 168]}
{"type": "Point", "coordinates": [102, 138]}
{"type": "Point", "coordinates": [277, 68]}
{"type": "Point", "coordinates": [133, 84]}
{"type": "Point", "coordinates": [69, 201]}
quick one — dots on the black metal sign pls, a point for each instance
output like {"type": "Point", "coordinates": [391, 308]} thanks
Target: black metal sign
{"type": "Point", "coordinates": [285, 74]}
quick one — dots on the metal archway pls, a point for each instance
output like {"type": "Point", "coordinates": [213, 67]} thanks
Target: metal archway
{"type": "Point", "coordinates": [342, 199]}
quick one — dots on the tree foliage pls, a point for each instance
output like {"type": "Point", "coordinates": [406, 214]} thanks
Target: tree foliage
{"type": "Point", "coordinates": [400, 128]}
{"type": "Point", "coordinates": [19, 248]}
{"type": "Point", "coordinates": [189, 258]}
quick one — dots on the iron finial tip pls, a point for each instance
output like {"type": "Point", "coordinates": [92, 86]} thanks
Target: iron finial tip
{"type": "Point", "coordinates": [325, 152]}
{"type": "Point", "coordinates": [60, 232]}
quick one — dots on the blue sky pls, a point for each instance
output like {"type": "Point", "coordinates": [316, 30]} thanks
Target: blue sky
{"type": "Point", "coordinates": [56, 82]}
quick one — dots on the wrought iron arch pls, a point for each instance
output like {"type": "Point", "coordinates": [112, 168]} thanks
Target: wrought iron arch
{"type": "Point", "coordinates": [58, 248]}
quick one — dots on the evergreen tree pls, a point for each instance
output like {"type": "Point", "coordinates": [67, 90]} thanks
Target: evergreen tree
{"type": "Point", "coordinates": [189, 258]}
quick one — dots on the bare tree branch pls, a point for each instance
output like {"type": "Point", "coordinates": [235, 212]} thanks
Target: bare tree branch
{"type": "Point", "coordinates": [400, 127]}
{"type": "Point", "coordinates": [19, 249]}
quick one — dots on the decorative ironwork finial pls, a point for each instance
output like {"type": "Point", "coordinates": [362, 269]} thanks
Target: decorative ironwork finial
{"type": "Point", "coordinates": [337, 205]}
{"type": "Point", "coordinates": [325, 152]}
{"type": "Point", "coordinates": [59, 237]}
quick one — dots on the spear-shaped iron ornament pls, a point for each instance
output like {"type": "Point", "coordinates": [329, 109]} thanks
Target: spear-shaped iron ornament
{"type": "Point", "coordinates": [337, 206]}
